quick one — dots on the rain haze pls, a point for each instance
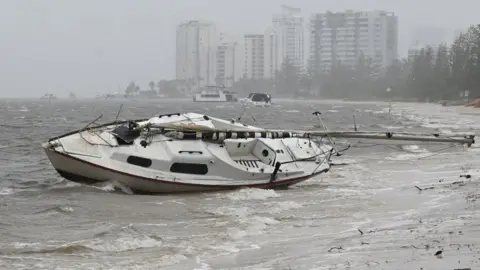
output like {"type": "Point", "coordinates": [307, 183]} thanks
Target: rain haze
{"type": "Point", "coordinates": [220, 134]}
{"type": "Point", "coordinates": [90, 47]}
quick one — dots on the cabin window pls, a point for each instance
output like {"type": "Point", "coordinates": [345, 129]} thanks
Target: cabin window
{"type": "Point", "coordinates": [189, 168]}
{"type": "Point", "coordinates": [139, 161]}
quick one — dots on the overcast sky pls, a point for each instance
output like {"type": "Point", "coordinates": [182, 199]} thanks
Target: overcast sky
{"type": "Point", "coordinates": [97, 46]}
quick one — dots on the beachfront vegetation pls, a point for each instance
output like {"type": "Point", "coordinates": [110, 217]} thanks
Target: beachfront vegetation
{"type": "Point", "coordinates": [443, 73]}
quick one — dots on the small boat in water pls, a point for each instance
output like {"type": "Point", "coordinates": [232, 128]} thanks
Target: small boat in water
{"type": "Point", "coordinates": [49, 96]}
{"type": "Point", "coordinates": [115, 95]}
{"type": "Point", "coordinates": [215, 94]}
{"type": "Point", "coordinates": [191, 152]}
{"type": "Point", "coordinates": [257, 99]}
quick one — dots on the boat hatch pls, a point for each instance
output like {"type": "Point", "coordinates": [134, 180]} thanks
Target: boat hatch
{"type": "Point", "coordinates": [124, 135]}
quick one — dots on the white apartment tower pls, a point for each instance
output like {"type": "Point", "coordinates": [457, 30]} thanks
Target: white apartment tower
{"type": "Point", "coordinates": [260, 59]}
{"type": "Point", "coordinates": [229, 63]}
{"type": "Point", "coordinates": [289, 31]}
{"type": "Point", "coordinates": [196, 47]}
{"type": "Point", "coordinates": [342, 37]}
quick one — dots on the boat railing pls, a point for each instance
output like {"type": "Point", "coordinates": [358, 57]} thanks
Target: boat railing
{"type": "Point", "coordinates": [88, 129]}
{"type": "Point", "coordinates": [313, 158]}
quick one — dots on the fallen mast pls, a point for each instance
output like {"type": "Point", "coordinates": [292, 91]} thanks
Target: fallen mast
{"type": "Point", "coordinates": [220, 135]}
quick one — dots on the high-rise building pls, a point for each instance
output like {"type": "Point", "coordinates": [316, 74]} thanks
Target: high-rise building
{"type": "Point", "coordinates": [229, 63]}
{"type": "Point", "coordinates": [288, 28]}
{"type": "Point", "coordinates": [260, 60]}
{"type": "Point", "coordinates": [344, 36]}
{"type": "Point", "coordinates": [429, 36]}
{"type": "Point", "coordinates": [414, 50]}
{"type": "Point", "coordinates": [196, 46]}
{"type": "Point", "coordinates": [205, 56]}
{"type": "Point", "coordinates": [417, 48]}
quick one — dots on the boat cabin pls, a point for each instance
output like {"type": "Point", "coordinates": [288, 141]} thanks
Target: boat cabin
{"type": "Point", "coordinates": [260, 97]}
{"type": "Point", "coordinates": [210, 94]}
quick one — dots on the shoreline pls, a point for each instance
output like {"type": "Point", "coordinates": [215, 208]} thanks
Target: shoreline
{"type": "Point", "coordinates": [446, 103]}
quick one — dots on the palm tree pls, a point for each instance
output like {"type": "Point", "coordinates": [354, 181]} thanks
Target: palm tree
{"type": "Point", "coordinates": [152, 86]}
{"type": "Point", "coordinates": [130, 88]}
{"type": "Point", "coordinates": [159, 85]}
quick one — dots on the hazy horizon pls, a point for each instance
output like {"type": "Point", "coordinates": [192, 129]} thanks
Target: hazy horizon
{"type": "Point", "coordinates": [92, 47]}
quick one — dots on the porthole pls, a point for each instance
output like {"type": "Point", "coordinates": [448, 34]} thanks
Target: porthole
{"type": "Point", "coordinates": [190, 168]}
{"type": "Point", "coordinates": [139, 161]}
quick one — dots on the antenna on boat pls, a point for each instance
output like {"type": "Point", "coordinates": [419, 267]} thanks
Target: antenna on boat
{"type": "Point", "coordinates": [354, 123]}
{"type": "Point", "coordinates": [243, 113]}
{"type": "Point", "coordinates": [389, 102]}
{"type": "Point", "coordinates": [118, 113]}
{"type": "Point", "coordinates": [317, 113]}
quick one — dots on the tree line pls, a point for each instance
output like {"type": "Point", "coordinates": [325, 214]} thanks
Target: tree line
{"type": "Point", "coordinates": [440, 73]}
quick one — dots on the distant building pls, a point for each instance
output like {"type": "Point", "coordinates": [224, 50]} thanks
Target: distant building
{"type": "Point", "coordinates": [260, 60]}
{"type": "Point", "coordinates": [229, 63]}
{"type": "Point", "coordinates": [288, 28]}
{"type": "Point", "coordinates": [196, 45]}
{"type": "Point", "coordinates": [429, 36]}
{"type": "Point", "coordinates": [415, 50]}
{"type": "Point", "coordinates": [205, 56]}
{"type": "Point", "coordinates": [342, 37]}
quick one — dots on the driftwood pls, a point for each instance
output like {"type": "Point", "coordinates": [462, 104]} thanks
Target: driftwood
{"type": "Point", "coordinates": [339, 248]}
{"type": "Point", "coordinates": [460, 183]}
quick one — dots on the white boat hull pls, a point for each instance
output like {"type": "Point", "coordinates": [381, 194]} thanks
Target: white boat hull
{"type": "Point", "coordinates": [78, 170]}
{"type": "Point", "coordinates": [199, 98]}
{"type": "Point", "coordinates": [248, 102]}
{"type": "Point", "coordinates": [95, 155]}
{"type": "Point", "coordinates": [214, 96]}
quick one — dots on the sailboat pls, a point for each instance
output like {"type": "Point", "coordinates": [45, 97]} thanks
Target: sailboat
{"type": "Point", "coordinates": [192, 152]}
{"type": "Point", "coordinates": [257, 99]}
{"type": "Point", "coordinates": [49, 97]}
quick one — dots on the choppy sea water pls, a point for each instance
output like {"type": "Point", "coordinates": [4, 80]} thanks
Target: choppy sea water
{"type": "Point", "coordinates": [365, 215]}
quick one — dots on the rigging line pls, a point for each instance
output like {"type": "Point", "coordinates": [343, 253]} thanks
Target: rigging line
{"type": "Point", "coordinates": [163, 140]}
{"type": "Point", "coordinates": [325, 128]}
{"type": "Point", "coordinates": [324, 159]}
{"type": "Point", "coordinates": [391, 143]}
{"type": "Point", "coordinates": [434, 153]}
{"type": "Point", "coordinates": [188, 118]}
{"type": "Point", "coordinates": [243, 112]}
{"type": "Point", "coordinates": [308, 158]}
{"type": "Point", "coordinates": [374, 145]}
